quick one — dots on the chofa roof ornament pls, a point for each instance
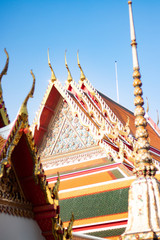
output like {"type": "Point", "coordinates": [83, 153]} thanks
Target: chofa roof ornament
{"type": "Point", "coordinates": [53, 76]}
{"type": "Point", "coordinates": [4, 71]}
{"type": "Point", "coordinates": [69, 78]}
{"type": "Point", "coordinates": [82, 77]}
{"type": "Point", "coordinates": [23, 110]}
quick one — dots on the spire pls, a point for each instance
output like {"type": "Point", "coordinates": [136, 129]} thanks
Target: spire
{"type": "Point", "coordinates": [23, 110]}
{"type": "Point", "coordinates": [144, 192]}
{"type": "Point", "coordinates": [4, 71]}
{"type": "Point", "coordinates": [53, 76]}
{"type": "Point", "coordinates": [82, 77]}
{"type": "Point", "coordinates": [143, 161]}
{"type": "Point", "coordinates": [133, 38]}
{"type": "Point", "coordinates": [69, 79]}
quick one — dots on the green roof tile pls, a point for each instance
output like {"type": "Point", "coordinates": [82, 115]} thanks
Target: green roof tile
{"type": "Point", "coordinates": [99, 204]}
{"type": "Point", "coordinates": [117, 173]}
{"type": "Point", "coordinates": [107, 233]}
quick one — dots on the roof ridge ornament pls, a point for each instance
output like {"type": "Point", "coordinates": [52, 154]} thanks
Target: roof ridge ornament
{"type": "Point", "coordinates": [143, 162]}
{"type": "Point", "coordinates": [53, 76]}
{"type": "Point", "coordinates": [82, 77]}
{"type": "Point", "coordinates": [4, 71]}
{"type": "Point", "coordinates": [69, 78]}
{"type": "Point", "coordinates": [23, 110]}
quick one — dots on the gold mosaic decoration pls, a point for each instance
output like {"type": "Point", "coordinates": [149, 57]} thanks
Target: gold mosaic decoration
{"type": "Point", "coordinates": [12, 200]}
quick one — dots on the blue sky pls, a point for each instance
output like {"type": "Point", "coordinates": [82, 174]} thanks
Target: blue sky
{"type": "Point", "coordinates": [98, 28]}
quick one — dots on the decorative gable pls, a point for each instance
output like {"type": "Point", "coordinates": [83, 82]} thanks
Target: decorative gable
{"type": "Point", "coordinates": [65, 134]}
{"type": "Point", "coordinates": [12, 200]}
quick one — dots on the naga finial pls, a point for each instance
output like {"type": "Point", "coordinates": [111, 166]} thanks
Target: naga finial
{"type": "Point", "coordinates": [69, 78]}
{"type": "Point", "coordinates": [56, 188]}
{"type": "Point", "coordinates": [23, 110]}
{"type": "Point", "coordinates": [82, 77]}
{"type": "Point", "coordinates": [69, 228]}
{"type": "Point", "coordinates": [143, 162]}
{"type": "Point", "coordinates": [53, 76]}
{"type": "Point", "coordinates": [4, 71]}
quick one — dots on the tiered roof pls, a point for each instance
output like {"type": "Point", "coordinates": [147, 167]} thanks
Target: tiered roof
{"type": "Point", "coordinates": [29, 196]}
{"type": "Point", "coordinates": [95, 179]}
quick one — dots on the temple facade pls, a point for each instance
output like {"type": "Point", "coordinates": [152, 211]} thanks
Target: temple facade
{"type": "Point", "coordinates": [92, 142]}
{"type": "Point", "coordinates": [86, 167]}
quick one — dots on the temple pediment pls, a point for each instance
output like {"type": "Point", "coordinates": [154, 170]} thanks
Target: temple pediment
{"type": "Point", "coordinates": [65, 133]}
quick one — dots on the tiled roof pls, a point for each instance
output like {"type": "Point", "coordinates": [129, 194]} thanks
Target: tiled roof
{"type": "Point", "coordinates": [107, 233]}
{"type": "Point", "coordinates": [123, 113]}
{"type": "Point", "coordinates": [99, 204]}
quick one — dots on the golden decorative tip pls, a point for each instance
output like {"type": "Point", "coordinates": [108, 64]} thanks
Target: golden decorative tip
{"type": "Point", "coordinates": [69, 78]}
{"type": "Point", "coordinates": [82, 77]}
{"type": "Point", "coordinates": [129, 2]}
{"type": "Point", "coordinates": [4, 71]}
{"type": "Point", "coordinates": [53, 76]}
{"type": "Point", "coordinates": [23, 110]}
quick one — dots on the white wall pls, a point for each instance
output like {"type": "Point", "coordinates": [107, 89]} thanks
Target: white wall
{"type": "Point", "coordinates": [19, 228]}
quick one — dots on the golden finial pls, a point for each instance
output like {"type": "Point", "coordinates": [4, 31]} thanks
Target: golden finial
{"type": "Point", "coordinates": [53, 76]}
{"type": "Point", "coordinates": [143, 162]}
{"type": "Point", "coordinates": [147, 110]}
{"type": "Point", "coordinates": [157, 118]}
{"type": "Point", "coordinates": [4, 71]}
{"type": "Point", "coordinates": [56, 188]}
{"type": "Point", "coordinates": [69, 78]}
{"type": "Point", "coordinates": [82, 77]}
{"type": "Point", "coordinates": [69, 228]}
{"type": "Point", "coordinates": [23, 110]}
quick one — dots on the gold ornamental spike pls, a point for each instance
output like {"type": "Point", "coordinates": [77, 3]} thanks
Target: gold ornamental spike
{"type": "Point", "coordinates": [147, 110]}
{"type": "Point", "coordinates": [53, 76]}
{"type": "Point", "coordinates": [143, 161]}
{"type": "Point", "coordinates": [82, 77]}
{"type": "Point", "coordinates": [4, 71]}
{"type": "Point", "coordinates": [23, 110]}
{"type": "Point", "coordinates": [69, 78]}
{"type": "Point", "coordinates": [157, 118]}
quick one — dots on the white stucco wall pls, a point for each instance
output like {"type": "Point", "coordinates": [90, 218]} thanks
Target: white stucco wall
{"type": "Point", "coordinates": [19, 228]}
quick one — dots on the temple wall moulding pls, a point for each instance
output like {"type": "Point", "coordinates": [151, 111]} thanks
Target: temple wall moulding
{"type": "Point", "coordinates": [66, 160]}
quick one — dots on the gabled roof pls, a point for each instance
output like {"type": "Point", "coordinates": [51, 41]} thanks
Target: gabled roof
{"type": "Point", "coordinates": [19, 153]}
{"type": "Point", "coordinates": [108, 122]}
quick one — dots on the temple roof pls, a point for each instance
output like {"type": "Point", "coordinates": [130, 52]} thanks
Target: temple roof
{"type": "Point", "coordinates": [107, 121]}
{"type": "Point", "coordinates": [18, 154]}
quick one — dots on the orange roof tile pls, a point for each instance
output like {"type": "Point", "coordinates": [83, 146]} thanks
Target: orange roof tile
{"type": "Point", "coordinates": [123, 113]}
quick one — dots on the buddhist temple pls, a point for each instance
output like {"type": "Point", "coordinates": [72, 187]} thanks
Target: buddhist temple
{"type": "Point", "coordinates": [92, 142]}
{"type": "Point", "coordinates": [85, 168]}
